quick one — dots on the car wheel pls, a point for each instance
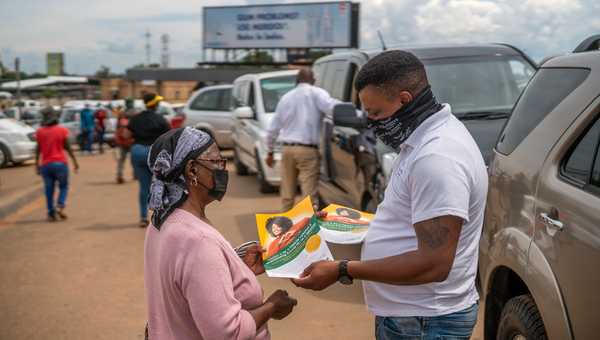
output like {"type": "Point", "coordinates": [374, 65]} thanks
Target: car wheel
{"type": "Point", "coordinates": [521, 320]}
{"type": "Point", "coordinates": [4, 156]}
{"type": "Point", "coordinates": [265, 187]}
{"type": "Point", "coordinates": [240, 168]}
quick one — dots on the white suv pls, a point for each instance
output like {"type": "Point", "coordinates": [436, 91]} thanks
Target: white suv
{"type": "Point", "coordinates": [209, 110]}
{"type": "Point", "coordinates": [255, 97]}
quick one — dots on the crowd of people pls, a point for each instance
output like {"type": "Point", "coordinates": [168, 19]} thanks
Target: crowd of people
{"type": "Point", "coordinates": [135, 132]}
{"type": "Point", "coordinates": [419, 258]}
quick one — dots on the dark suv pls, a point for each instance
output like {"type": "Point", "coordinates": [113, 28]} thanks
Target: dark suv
{"type": "Point", "coordinates": [480, 82]}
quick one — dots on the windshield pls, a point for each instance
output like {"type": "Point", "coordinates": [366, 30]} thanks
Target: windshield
{"type": "Point", "coordinates": [274, 88]}
{"type": "Point", "coordinates": [479, 84]}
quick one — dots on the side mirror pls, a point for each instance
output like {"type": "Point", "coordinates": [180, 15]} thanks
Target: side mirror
{"type": "Point", "coordinates": [244, 112]}
{"type": "Point", "coordinates": [345, 114]}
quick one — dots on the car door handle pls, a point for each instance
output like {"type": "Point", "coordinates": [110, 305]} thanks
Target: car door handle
{"type": "Point", "coordinates": [550, 222]}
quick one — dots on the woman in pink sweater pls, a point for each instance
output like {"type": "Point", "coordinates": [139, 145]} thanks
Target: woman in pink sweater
{"type": "Point", "coordinates": [196, 285]}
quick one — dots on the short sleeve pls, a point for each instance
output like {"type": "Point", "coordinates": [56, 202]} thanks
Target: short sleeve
{"type": "Point", "coordinates": [208, 287]}
{"type": "Point", "coordinates": [439, 186]}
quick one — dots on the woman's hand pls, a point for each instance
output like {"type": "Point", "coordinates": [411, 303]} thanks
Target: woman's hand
{"type": "Point", "coordinates": [253, 258]}
{"type": "Point", "coordinates": [282, 303]}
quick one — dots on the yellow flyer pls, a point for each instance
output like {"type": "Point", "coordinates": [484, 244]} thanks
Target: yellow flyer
{"type": "Point", "coordinates": [344, 225]}
{"type": "Point", "coordinates": [292, 240]}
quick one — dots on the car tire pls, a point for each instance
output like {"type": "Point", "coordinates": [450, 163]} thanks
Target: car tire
{"type": "Point", "coordinates": [521, 319]}
{"type": "Point", "coordinates": [264, 186]}
{"type": "Point", "coordinates": [4, 156]}
{"type": "Point", "coordinates": [240, 168]}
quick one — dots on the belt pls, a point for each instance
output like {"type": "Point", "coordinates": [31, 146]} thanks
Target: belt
{"type": "Point", "coordinates": [300, 144]}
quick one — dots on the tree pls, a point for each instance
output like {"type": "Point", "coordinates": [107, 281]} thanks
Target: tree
{"type": "Point", "coordinates": [103, 72]}
{"type": "Point", "coordinates": [261, 57]}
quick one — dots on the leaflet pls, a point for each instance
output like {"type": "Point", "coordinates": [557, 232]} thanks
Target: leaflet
{"type": "Point", "coordinates": [344, 225]}
{"type": "Point", "coordinates": [295, 239]}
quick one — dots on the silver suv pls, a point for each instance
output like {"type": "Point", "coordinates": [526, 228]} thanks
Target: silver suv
{"type": "Point", "coordinates": [540, 248]}
{"type": "Point", "coordinates": [208, 109]}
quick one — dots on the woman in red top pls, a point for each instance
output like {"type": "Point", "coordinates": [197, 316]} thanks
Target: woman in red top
{"type": "Point", "coordinates": [51, 143]}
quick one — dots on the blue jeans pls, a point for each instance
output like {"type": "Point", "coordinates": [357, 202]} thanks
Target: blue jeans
{"type": "Point", "coordinates": [52, 173]}
{"type": "Point", "coordinates": [139, 158]}
{"type": "Point", "coordinates": [88, 138]}
{"type": "Point", "coordinates": [455, 326]}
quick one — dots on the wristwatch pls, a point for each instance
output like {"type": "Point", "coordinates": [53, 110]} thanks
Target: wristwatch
{"type": "Point", "coordinates": [343, 277]}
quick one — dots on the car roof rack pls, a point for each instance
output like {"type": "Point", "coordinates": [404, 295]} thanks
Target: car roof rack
{"type": "Point", "coordinates": [591, 43]}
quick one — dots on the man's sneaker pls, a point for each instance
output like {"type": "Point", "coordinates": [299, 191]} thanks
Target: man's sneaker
{"type": "Point", "coordinates": [61, 213]}
{"type": "Point", "coordinates": [52, 217]}
{"type": "Point", "coordinates": [143, 223]}
{"type": "Point", "coordinates": [120, 180]}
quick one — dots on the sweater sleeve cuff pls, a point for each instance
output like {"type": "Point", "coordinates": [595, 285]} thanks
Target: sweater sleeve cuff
{"type": "Point", "coordinates": [247, 326]}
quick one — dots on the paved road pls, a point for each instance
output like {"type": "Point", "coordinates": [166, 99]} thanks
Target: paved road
{"type": "Point", "coordinates": [83, 278]}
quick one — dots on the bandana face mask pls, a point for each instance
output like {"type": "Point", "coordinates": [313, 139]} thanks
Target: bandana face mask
{"type": "Point", "coordinates": [395, 130]}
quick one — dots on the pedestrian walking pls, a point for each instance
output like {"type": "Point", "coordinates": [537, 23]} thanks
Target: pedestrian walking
{"type": "Point", "coordinates": [197, 286]}
{"type": "Point", "coordinates": [52, 141]}
{"type": "Point", "coordinates": [123, 139]}
{"type": "Point", "coordinates": [145, 128]}
{"type": "Point", "coordinates": [419, 258]}
{"type": "Point", "coordinates": [87, 124]}
{"type": "Point", "coordinates": [297, 125]}
{"type": "Point", "coordinates": [100, 116]}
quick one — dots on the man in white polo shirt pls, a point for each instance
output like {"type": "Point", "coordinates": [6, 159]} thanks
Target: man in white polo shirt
{"type": "Point", "coordinates": [419, 259]}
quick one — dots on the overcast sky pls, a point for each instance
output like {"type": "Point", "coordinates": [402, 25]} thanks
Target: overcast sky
{"type": "Point", "coordinates": [110, 32]}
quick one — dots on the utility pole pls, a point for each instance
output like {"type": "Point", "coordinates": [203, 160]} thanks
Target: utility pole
{"type": "Point", "coordinates": [148, 36]}
{"type": "Point", "coordinates": [164, 58]}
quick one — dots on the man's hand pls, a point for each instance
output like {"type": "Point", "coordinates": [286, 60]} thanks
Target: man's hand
{"type": "Point", "coordinates": [253, 259]}
{"type": "Point", "coordinates": [75, 168]}
{"type": "Point", "coordinates": [319, 275]}
{"type": "Point", "coordinates": [38, 171]}
{"type": "Point", "coordinates": [269, 160]}
{"type": "Point", "coordinates": [282, 303]}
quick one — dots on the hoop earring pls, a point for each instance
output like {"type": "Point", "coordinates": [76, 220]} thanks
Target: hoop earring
{"type": "Point", "coordinates": [195, 181]}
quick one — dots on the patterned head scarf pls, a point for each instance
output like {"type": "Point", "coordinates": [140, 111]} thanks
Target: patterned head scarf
{"type": "Point", "coordinates": [167, 159]}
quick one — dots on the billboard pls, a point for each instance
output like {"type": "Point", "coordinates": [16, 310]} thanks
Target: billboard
{"type": "Point", "coordinates": [55, 64]}
{"type": "Point", "coordinates": [309, 25]}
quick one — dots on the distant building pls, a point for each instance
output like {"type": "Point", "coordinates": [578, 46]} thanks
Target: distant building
{"type": "Point", "coordinates": [55, 64]}
{"type": "Point", "coordinates": [57, 86]}
{"type": "Point", "coordinates": [174, 84]}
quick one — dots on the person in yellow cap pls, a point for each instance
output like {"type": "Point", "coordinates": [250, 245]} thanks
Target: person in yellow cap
{"type": "Point", "coordinates": [145, 128]}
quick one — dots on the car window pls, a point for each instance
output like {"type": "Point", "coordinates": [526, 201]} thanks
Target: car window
{"type": "Point", "coordinates": [224, 100]}
{"type": "Point", "coordinates": [478, 84]}
{"type": "Point", "coordinates": [339, 77]}
{"type": "Point", "coordinates": [239, 92]}
{"type": "Point", "coordinates": [69, 115]}
{"type": "Point", "coordinates": [547, 89]}
{"type": "Point", "coordinates": [208, 100]}
{"type": "Point", "coordinates": [596, 170]}
{"type": "Point", "coordinates": [579, 163]}
{"type": "Point", "coordinates": [274, 88]}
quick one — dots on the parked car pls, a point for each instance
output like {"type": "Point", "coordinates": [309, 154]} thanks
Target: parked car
{"type": "Point", "coordinates": [29, 115]}
{"type": "Point", "coordinates": [480, 82]}
{"type": "Point", "coordinates": [540, 247]}
{"type": "Point", "coordinates": [255, 97]}
{"type": "Point", "coordinates": [69, 118]}
{"type": "Point", "coordinates": [17, 142]}
{"type": "Point", "coordinates": [209, 110]}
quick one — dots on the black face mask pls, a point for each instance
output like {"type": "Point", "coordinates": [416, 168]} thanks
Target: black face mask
{"type": "Point", "coordinates": [396, 129]}
{"type": "Point", "coordinates": [220, 180]}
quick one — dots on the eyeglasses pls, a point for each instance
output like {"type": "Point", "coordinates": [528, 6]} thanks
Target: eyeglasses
{"type": "Point", "coordinates": [221, 163]}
